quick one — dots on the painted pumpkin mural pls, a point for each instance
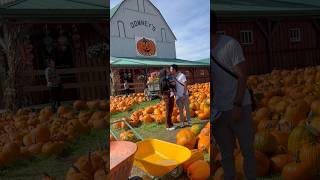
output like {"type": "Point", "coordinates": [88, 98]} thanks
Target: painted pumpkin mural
{"type": "Point", "coordinates": [146, 47]}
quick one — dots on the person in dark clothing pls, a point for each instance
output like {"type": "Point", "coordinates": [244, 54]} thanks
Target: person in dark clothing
{"type": "Point", "coordinates": [166, 89]}
{"type": "Point", "coordinates": [54, 85]}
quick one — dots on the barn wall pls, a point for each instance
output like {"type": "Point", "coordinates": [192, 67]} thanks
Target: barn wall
{"type": "Point", "coordinates": [285, 54]}
{"type": "Point", "coordinates": [256, 53]}
{"type": "Point", "coordinates": [290, 55]}
{"type": "Point", "coordinates": [194, 75]}
{"type": "Point", "coordinates": [86, 79]}
{"type": "Point", "coordinates": [123, 41]}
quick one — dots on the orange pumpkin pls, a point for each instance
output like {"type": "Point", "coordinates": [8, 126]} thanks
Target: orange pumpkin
{"type": "Point", "coordinates": [198, 170]}
{"type": "Point", "coordinates": [146, 47]}
{"type": "Point", "coordinates": [279, 161]}
{"type": "Point", "coordinates": [195, 155]}
{"type": "Point", "coordinates": [204, 143]}
{"type": "Point", "coordinates": [185, 137]}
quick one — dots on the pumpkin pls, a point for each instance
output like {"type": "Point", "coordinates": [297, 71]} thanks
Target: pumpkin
{"type": "Point", "coordinates": [84, 164]}
{"type": "Point", "coordinates": [204, 115]}
{"type": "Point", "coordinates": [35, 149]}
{"type": "Point", "coordinates": [79, 105]}
{"type": "Point", "coordinates": [219, 175]}
{"type": "Point", "coordinates": [198, 170]}
{"type": "Point", "coordinates": [265, 142]}
{"type": "Point", "coordinates": [147, 118]}
{"type": "Point", "coordinates": [52, 148]}
{"type": "Point", "coordinates": [185, 137]}
{"type": "Point", "coordinates": [159, 118]}
{"type": "Point", "coordinates": [128, 136]}
{"type": "Point", "coordinates": [99, 123]}
{"type": "Point", "coordinates": [75, 174]}
{"type": "Point", "coordinates": [297, 138]}
{"type": "Point", "coordinates": [195, 155]}
{"type": "Point", "coordinates": [100, 174]}
{"type": "Point", "coordinates": [196, 128]}
{"type": "Point", "coordinates": [315, 106]}
{"type": "Point", "coordinates": [41, 133]}
{"type": "Point", "coordinates": [11, 150]}
{"type": "Point", "coordinates": [146, 47]}
{"type": "Point", "coordinates": [104, 105]}
{"type": "Point", "coordinates": [296, 170]}
{"type": "Point", "coordinates": [149, 110]}
{"type": "Point", "coordinates": [262, 164]}
{"type": "Point", "coordinates": [93, 105]}
{"type": "Point", "coordinates": [296, 112]}
{"type": "Point", "coordinates": [204, 143]}
{"type": "Point", "coordinates": [205, 131]}
{"type": "Point", "coordinates": [96, 160]}
{"type": "Point", "coordinates": [27, 140]}
{"type": "Point", "coordinates": [280, 136]}
{"type": "Point", "coordinates": [279, 161]}
{"type": "Point", "coordinates": [62, 110]}
{"type": "Point", "coordinates": [310, 155]}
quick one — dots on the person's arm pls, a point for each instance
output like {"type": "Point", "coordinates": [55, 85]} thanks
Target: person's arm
{"type": "Point", "coordinates": [240, 70]}
{"type": "Point", "coordinates": [239, 66]}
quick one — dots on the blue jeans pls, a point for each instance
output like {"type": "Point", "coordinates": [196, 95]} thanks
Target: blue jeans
{"type": "Point", "coordinates": [181, 105]}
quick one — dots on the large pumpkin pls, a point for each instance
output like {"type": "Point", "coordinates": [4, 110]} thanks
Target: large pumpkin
{"type": "Point", "coordinates": [146, 47]}
{"type": "Point", "coordinates": [204, 143]}
{"type": "Point", "coordinates": [279, 161]}
{"type": "Point", "coordinates": [195, 155]}
{"type": "Point", "coordinates": [265, 142]}
{"type": "Point", "coordinates": [262, 164]}
{"type": "Point", "coordinates": [198, 170]}
{"type": "Point", "coordinates": [297, 138]}
{"type": "Point", "coordinates": [310, 154]}
{"type": "Point", "coordinates": [185, 137]}
{"type": "Point", "coordinates": [196, 128]}
{"type": "Point", "coordinates": [296, 171]}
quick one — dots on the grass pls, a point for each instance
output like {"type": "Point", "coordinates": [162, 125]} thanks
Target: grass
{"type": "Point", "coordinates": [56, 166]}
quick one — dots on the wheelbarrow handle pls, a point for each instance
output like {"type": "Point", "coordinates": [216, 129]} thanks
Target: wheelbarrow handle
{"type": "Point", "coordinates": [130, 127]}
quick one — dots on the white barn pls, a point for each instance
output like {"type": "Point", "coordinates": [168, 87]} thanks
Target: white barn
{"type": "Point", "coordinates": [132, 20]}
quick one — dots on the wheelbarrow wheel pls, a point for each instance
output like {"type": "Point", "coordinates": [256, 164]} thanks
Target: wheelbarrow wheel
{"type": "Point", "coordinates": [136, 178]}
{"type": "Point", "coordinates": [177, 172]}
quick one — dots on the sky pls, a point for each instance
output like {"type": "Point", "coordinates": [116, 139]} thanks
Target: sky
{"type": "Point", "coordinates": [190, 22]}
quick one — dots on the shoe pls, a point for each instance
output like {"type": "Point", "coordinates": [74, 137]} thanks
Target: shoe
{"type": "Point", "coordinates": [182, 126]}
{"type": "Point", "coordinates": [171, 128]}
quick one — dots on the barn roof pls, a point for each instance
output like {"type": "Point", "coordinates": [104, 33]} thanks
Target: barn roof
{"type": "Point", "coordinates": [154, 62]}
{"type": "Point", "coordinates": [115, 9]}
{"type": "Point", "coordinates": [265, 7]}
{"type": "Point", "coordinates": [73, 8]}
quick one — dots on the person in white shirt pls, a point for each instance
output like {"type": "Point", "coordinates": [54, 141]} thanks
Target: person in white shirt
{"type": "Point", "coordinates": [126, 87]}
{"type": "Point", "coordinates": [181, 94]}
{"type": "Point", "coordinates": [232, 99]}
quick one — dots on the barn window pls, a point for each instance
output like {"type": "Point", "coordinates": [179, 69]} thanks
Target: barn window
{"type": "Point", "coordinates": [122, 32]}
{"type": "Point", "coordinates": [246, 37]}
{"type": "Point", "coordinates": [221, 33]}
{"type": "Point", "coordinates": [294, 35]}
{"type": "Point", "coordinates": [163, 35]}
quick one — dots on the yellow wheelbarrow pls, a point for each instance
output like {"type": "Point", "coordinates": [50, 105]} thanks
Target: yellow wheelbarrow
{"type": "Point", "coordinates": [156, 157]}
{"type": "Point", "coordinates": [159, 158]}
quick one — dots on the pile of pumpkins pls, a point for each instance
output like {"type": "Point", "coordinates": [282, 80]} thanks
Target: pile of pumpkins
{"type": "Point", "coordinates": [125, 103]}
{"type": "Point", "coordinates": [26, 132]}
{"type": "Point", "coordinates": [199, 107]}
{"type": "Point", "coordinates": [92, 166]}
{"type": "Point", "coordinates": [197, 139]}
{"type": "Point", "coordinates": [287, 125]}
